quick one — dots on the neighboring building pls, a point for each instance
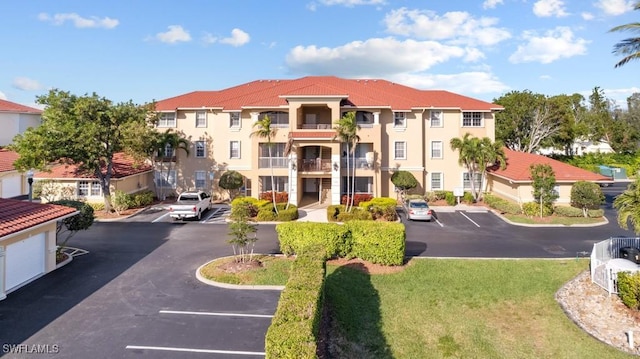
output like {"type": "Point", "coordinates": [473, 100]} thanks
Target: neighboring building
{"type": "Point", "coordinates": [580, 147]}
{"type": "Point", "coordinates": [27, 241]}
{"type": "Point", "coordinates": [66, 181]}
{"type": "Point", "coordinates": [12, 182]}
{"type": "Point", "coordinates": [515, 183]}
{"type": "Point", "coordinates": [401, 128]}
{"type": "Point", "coordinates": [15, 119]}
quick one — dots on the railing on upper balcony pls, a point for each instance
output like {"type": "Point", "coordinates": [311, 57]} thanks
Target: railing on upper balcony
{"type": "Point", "coordinates": [360, 162]}
{"type": "Point", "coordinates": [273, 162]}
{"type": "Point", "coordinates": [316, 126]}
{"type": "Point", "coordinates": [314, 165]}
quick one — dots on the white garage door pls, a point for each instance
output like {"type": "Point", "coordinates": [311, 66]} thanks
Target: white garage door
{"type": "Point", "coordinates": [24, 261]}
{"type": "Point", "coordinates": [11, 187]}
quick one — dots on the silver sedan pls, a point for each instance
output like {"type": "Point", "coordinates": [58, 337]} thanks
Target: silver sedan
{"type": "Point", "coordinates": [417, 209]}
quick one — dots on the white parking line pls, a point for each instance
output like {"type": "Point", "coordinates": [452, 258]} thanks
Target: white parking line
{"type": "Point", "coordinates": [211, 215]}
{"type": "Point", "coordinates": [216, 314]}
{"type": "Point", "coordinates": [160, 218]}
{"type": "Point", "coordinates": [437, 221]}
{"type": "Point", "coordinates": [471, 220]}
{"type": "Point", "coordinates": [193, 350]}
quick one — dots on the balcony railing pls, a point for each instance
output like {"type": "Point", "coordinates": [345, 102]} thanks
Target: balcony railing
{"type": "Point", "coordinates": [360, 162]}
{"type": "Point", "coordinates": [316, 126]}
{"type": "Point", "coordinates": [317, 165]}
{"type": "Point", "coordinates": [273, 162]}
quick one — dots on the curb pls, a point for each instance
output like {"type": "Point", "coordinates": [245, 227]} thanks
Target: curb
{"type": "Point", "coordinates": [499, 215]}
{"type": "Point", "coordinates": [233, 286]}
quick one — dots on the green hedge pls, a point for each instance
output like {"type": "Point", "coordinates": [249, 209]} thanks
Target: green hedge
{"type": "Point", "coordinates": [566, 211]}
{"type": "Point", "coordinates": [501, 205]}
{"type": "Point", "coordinates": [378, 242]}
{"type": "Point", "coordinates": [629, 289]}
{"type": "Point", "coordinates": [595, 213]}
{"type": "Point", "coordinates": [532, 209]}
{"type": "Point", "coordinates": [334, 211]}
{"type": "Point", "coordinates": [379, 202]}
{"type": "Point", "coordinates": [287, 215]}
{"type": "Point", "coordinates": [295, 237]}
{"type": "Point", "coordinates": [356, 213]}
{"type": "Point", "coordinates": [295, 326]}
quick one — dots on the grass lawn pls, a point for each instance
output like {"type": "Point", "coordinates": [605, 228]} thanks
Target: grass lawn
{"type": "Point", "coordinates": [272, 271]}
{"type": "Point", "coordinates": [567, 221]}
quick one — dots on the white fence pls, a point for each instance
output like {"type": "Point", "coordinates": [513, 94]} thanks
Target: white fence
{"type": "Point", "coordinates": [602, 253]}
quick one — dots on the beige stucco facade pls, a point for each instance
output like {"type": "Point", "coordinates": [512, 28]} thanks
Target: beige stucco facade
{"type": "Point", "coordinates": [522, 192]}
{"type": "Point", "coordinates": [14, 123]}
{"type": "Point", "coordinates": [316, 164]}
{"type": "Point", "coordinates": [88, 189]}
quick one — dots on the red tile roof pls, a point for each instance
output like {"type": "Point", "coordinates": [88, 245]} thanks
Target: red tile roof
{"type": "Point", "coordinates": [16, 215]}
{"type": "Point", "coordinates": [6, 160]}
{"type": "Point", "coordinates": [8, 106]}
{"type": "Point", "coordinates": [123, 166]}
{"type": "Point", "coordinates": [359, 93]}
{"type": "Point", "coordinates": [518, 168]}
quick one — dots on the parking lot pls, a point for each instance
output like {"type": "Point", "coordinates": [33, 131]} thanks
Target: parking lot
{"type": "Point", "coordinates": [217, 214]}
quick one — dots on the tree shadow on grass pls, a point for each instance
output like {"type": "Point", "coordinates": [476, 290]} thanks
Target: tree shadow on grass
{"type": "Point", "coordinates": [355, 323]}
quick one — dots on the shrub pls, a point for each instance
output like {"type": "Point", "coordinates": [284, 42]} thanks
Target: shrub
{"type": "Point", "coordinates": [355, 214]}
{"type": "Point", "coordinates": [286, 215]}
{"type": "Point", "coordinates": [266, 216]}
{"type": "Point", "coordinates": [381, 202]}
{"type": "Point", "coordinates": [595, 213]}
{"type": "Point", "coordinates": [532, 209]}
{"type": "Point", "coordinates": [378, 242]}
{"type": "Point", "coordinates": [143, 199]}
{"type": "Point", "coordinates": [440, 195]}
{"type": "Point", "coordinates": [121, 201]}
{"type": "Point", "coordinates": [501, 205]}
{"type": "Point", "coordinates": [629, 289]}
{"type": "Point", "coordinates": [249, 202]}
{"type": "Point", "coordinates": [430, 197]}
{"type": "Point", "coordinates": [281, 197]}
{"type": "Point", "coordinates": [381, 208]}
{"type": "Point", "coordinates": [97, 206]}
{"type": "Point", "coordinates": [450, 198]}
{"type": "Point", "coordinates": [586, 195]}
{"type": "Point", "coordinates": [333, 211]}
{"type": "Point", "coordinates": [468, 198]}
{"type": "Point", "coordinates": [295, 237]}
{"type": "Point", "coordinates": [566, 211]}
{"type": "Point", "coordinates": [357, 198]}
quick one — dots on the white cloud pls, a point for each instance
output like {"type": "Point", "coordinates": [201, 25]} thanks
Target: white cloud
{"type": "Point", "coordinates": [548, 8]}
{"type": "Point", "coordinates": [614, 7]}
{"type": "Point", "coordinates": [238, 38]}
{"type": "Point", "coordinates": [619, 96]}
{"type": "Point", "coordinates": [458, 27]}
{"type": "Point", "coordinates": [2, 96]}
{"type": "Point", "coordinates": [490, 4]}
{"type": "Point", "coordinates": [26, 84]}
{"type": "Point", "coordinates": [351, 3]}
{"type": "Point", "coordinates": [377, 57]}
{"type": "Point", "coordinates": [545, 77]}
{"type": "Point", "coordinates": [473, 55]}
{"type": "Point", "coordinates": [175, 34]}
{"type": "Point", "coordinates": [587, 16]}
{"type": "Point", "coordinates": [79, 21]}
{"type": "Point", "coordinates": [464, 83]}
{"type": "Point", "coordinates": [553, 45]}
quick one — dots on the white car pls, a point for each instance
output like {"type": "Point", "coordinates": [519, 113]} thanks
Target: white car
{"type": "Point", "coordinates": [190, 205]}
{"type": "Point", "coordinates": [417, 210]}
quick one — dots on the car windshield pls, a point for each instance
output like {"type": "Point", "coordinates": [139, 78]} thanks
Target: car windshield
{"type": "Point", "coordinates": [417, 205]}
{"type": "Point", "coordinates": [189, 197]}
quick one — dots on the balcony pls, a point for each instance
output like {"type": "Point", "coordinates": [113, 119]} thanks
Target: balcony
{"type": "Point", "coordinates": [315, 126]}
{"type": "Point", "coordinates": [273, 162]}
{"type": "Point", "coordinates": [314, 165]}
{"type": "Point", "coordinates": [360, 162]}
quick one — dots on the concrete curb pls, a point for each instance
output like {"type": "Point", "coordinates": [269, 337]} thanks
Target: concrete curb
{"type": "Point", "coordinates": [233, 286]}
{"type": "Point", "coordinates": [499, 215]}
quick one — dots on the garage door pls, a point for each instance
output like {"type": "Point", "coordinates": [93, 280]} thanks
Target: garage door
{"type": "Point", "coordinates": [24, 261]}
{"type": "Point", "coordinates": [10, 187]}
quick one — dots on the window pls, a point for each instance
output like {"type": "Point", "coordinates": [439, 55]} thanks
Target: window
{"type": "Point", "coordinates": [96, 189]}
{"type": "Point", "coordinates": [201, 149]}
{"type": "Point", "coordinates": [399, 119]}
{"type": "Point", "coordinates": [277, 158]}
{"type": "Point", "coordinates": [168, 151]}
{"type": "Point", "coordinates": [472, 119]}
{"type": "Point", "coordinates": [167, 119]}
{"type": "Point", "coordinates": [400, 150]}
{"type": "Point", "coordinates": [83, 188]}
{"type": "Point", "coordinates": [466, 181]}
{"type": "Point", "coordinates": [362, 184]}
{"type": "Point", "coordinates": [436, 181]}
{"type": "Point", "coordinates": [165, 178]}
{"type": "Point", "coordinates": [234, 119]}
{"type": "Point", "coordinates": [234, 149]}
{"type": "Point", "coordinates": [278, 119]}
{"type": "Point", "coordinates": [436, 118]}
{"type": "Point", "coordinates": [201, 119]}
{"type": "Point", "coordinates": [201, 179]}
{"type": "Point", "coordinates": [436, 149]}
{"type": "Point", "coordinates": [363, 118]}
{"type": "Point", "coordinates": [281, 183]}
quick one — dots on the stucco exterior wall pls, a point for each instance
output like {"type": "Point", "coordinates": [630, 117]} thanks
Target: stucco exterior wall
{"type": "Point", "coordinates": [57, 189]}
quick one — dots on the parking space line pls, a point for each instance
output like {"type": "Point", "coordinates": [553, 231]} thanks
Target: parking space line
{"type": "Point", "coordinates": [216, 314]}
{"type": "Point", "coordinates": [211, 215]}
{"type": "Point", "coordinates": [159, 218]}
{"type": "Point", "coordinates": [193, 350]}
{"type": "Point", "coordinates": [471, 220]}
{"type": "Point", "coordinates": [440, 223]}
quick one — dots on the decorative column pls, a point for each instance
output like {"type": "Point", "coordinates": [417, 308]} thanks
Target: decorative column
{"type": "Point", "coordinates": [293, 179]}
{"type": "Point", "coordinates": [376, 118]}
{"type": "Point", "coordinates": [2, 273]}
{"type": "Point", "coordinates": [254, 116]}
{"type": "Point", "coordinates": [336, 179]}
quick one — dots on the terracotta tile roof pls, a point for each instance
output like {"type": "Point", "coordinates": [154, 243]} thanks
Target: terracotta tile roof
{"type": "Point", "coordinates": [312, 134]}
{"type": "Point", "coordinates": [360, 93]}
{"type": "Point", "coordinates": [518, 168]}
{"type": "Point", "coordinates": [16, 215]}
{"type": "Point", "coordinates": [8, 106]}
{"type": "Point", "coordinates": [6, 160]}
{"type": "Point", "coordinates": [123, 166]}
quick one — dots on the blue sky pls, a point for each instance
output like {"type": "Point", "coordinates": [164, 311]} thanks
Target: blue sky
{"type": "Point", "coordinates": [153, 49]}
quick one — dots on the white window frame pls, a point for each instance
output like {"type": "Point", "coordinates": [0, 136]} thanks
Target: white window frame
{"type": "Point", "coordinates": [440, 149]}
{"type": "Point", "coordinates": [404, 150]}
{"type": "Point", "coordinates": [168, 151]}
{"type": "Point", "coordinates": [203, 145]}
{"type": "Point", "coordinates": [440, 180]}
{"type": "Point", "coordinates": [231, 149]}
{"type": "Point", "coordinates": [171, 174]}
{"type": "Point", "coordinates": [234, 117]}
{"type": "Point", "coordinates": [466, 182]}
{"type": "Point", "coordinates": [164, 121]}
{"type": "Point", "coordinates": [95, 185]}
{"type": "Point", "coordinates": [473, 116]}
{"type": "Point", "coordinates": [83, 189]}
{"type": "Point", "coordinates": [202, 177]}
{"type": "Point", "coordinates": [399, 120]}
{"type": "Point", "coordinates": [201, 119]}
{"type": "Point", "coordinates": [435, 119]}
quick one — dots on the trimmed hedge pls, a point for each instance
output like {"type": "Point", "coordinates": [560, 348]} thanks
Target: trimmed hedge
{"type": "Point", "coordinates": [295, 326]}
{"type": "Point", "coordinates": [296, 237]}
{"type": "Point", "coordinates": [532, 209]}
{"type": "Point", "coordinates": [566, 211]}
{"type": "Point", "coordinates": [501, 205]}
{"type": "Point", "coordinates": [595, 213]}
{"type": "Point", "coordinates": [333, 211]}
{"type": "Point", "coordinates": [378, 242]}
{"type": "Point", "coordinates": [357, 213]}
{"type": "Point", "coordinates": [629, 289]}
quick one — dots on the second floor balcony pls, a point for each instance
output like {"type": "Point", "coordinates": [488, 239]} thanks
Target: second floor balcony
{"type": "Point", "coordinates": [314, 165]}
{"type": "Point", "coordinates": [273, 162]}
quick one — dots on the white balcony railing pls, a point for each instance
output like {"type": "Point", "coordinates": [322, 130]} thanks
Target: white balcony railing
{"type": "Point", "coordinates": [273, 162]}
{"type": "Point", "coordinates": [317, 165]}
{"type": "Point", "coordinates": [360, 162]}
{"type": "Point", "coordinates": [316, 126]}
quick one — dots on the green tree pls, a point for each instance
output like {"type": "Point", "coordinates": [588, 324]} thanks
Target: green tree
{"type": "Point", "coordinates": [82, 130]}
{"type": "Point", "coordinates": [347, 132]}
{"type": "Point", "coordinates": [165, 147]}
{"type": "Point", "coordinates": [628, 48]}
{"type": "Point", "coordinates": [628, 206]}
{"type": "Point", "coordinates": [241, 231]}
{"type": "Point", "coordinates": [404, 181]}
{"type": "Point", "coordinates": [231, 181]}
{"type": "Point", "coordinates": [586, 195]}
{"type": "Point", "coordinates": [72, 225]}
{"type": "Point", "coordinates": [544, 181]}
{"type": "Point", "coordinates": [264, 130]}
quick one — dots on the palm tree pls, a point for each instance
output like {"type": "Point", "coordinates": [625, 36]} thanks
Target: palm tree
{"type": "Point", "coordinates": [491, 154]}
{"type": "Point", "coordinates": [628, 206]}
{"type": "Point", "coordinates": [265, 131]}
{"type": "Point", "coordinates": [630, 47]}
{"type": "Point", "coordinates": [476, 154]}
{"type": "Point", "coordinates": [168, 140]}
{"type": "Point", "coordinates": [347, 131]}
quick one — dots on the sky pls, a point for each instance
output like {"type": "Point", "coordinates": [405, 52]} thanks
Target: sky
{"type": "Point", "coordinates": [147, 50]}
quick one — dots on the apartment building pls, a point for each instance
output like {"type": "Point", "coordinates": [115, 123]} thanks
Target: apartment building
{"type": "Point", "coordinates": [400, 128]}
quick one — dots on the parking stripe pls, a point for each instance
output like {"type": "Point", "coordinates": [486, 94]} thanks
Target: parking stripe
{"type": "Point", "coordinates": [160, 218]}
{"type": "Point", "coordinates": [194, 350]}
{"type": "Point", "coordinates": [465, 216]}
{"type": "Point", "coordinates": [216, 314]}
{"type": "Point", "coordinates": [211, 215]}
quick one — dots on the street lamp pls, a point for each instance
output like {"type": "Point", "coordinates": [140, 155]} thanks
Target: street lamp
{"type": "Point", "coordinates": [30, 182]}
